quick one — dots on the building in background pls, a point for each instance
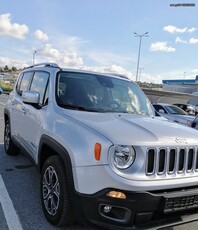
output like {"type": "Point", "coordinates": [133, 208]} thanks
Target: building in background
{"type": "Point", "coordinates": [189, 86]}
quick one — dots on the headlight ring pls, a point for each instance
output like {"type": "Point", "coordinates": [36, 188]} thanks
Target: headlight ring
{"type": "Point", "coordinates": [123, 156]}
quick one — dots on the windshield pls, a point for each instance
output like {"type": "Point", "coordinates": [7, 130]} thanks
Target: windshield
{"type": "Point", "coordinates": [175, 110]}
{"type": "Point", "coordinates": [99, 93]}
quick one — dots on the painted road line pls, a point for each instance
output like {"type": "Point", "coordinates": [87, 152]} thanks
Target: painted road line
{"type": "Point", "coordinates": [2, 103]}
{"type": "Point", "coordinates": [8, 208]}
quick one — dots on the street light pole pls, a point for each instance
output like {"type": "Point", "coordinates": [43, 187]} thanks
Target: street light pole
{"type": "Point", "coordinates": [33, 60]}
{"type": "Point", "coordinates": [140, 72]}
{"type": "Point", "coordinates": [140, 43]}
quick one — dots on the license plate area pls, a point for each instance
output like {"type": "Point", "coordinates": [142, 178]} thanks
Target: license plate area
{"type": "Point", "coordinates": [176, 204]}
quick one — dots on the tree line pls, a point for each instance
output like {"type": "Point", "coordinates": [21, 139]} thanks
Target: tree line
{"type": "Point", "coordinates": [6, 69]}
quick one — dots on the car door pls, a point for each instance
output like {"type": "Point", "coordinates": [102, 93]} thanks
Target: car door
{"type": "Point", "coordinates": [33, 118]}
{"type": "Point", "coordinates": [17, 113]}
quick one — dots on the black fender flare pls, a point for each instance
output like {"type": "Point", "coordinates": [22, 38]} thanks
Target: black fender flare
{"type": "Point", "coordinates": [46, 142]}
{"type": "Point", "coordinates": [6, 113]}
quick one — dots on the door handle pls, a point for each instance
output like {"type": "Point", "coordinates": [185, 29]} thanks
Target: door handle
{"type": "Point", "coordinates": [23, 110]}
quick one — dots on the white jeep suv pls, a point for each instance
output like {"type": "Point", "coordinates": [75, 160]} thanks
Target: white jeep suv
{"type": "Point", "coordinates": [104, 158]}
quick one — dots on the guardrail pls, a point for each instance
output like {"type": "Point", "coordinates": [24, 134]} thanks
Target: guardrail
{"type": "Point", "coordinates": [162, 96]}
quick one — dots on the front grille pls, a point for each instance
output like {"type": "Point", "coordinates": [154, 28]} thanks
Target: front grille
{"type": "Point", "coordinates": [180, 203]}
{"type": "Point", "coordinates": [171, 161]}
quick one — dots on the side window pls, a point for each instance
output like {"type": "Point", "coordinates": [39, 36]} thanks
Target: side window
{"type": "Point", "coordinates": [19, 83]}
{"type": "Point", "coordinates": [158, 107]}
{"type": "Point", "coordinates": [39, 84]}
{"type": "Point", "coordinates": [24, 82]}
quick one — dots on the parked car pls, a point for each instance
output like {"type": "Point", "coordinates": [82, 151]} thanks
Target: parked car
{"type": "Point", "coordinates": [173, 113]}
{"type": "Point", "coordinates": [104, 157]}
{"type": "Point", "coordinates": [194, 123]}
{"type": "Point", "coordinates": [189, 109]}
{"type": "Point", "coordinates": [1, 91]}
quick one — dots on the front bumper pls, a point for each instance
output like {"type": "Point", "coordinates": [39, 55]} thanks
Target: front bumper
{"type": "Point", "coordinates": [140, 210]}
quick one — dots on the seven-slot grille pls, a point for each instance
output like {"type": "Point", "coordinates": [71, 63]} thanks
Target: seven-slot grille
{"type": "Point", "coordinates": [171, 161]}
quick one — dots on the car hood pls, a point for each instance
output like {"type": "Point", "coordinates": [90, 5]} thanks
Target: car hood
{"type": "Point", "coordinates": [126, 129]}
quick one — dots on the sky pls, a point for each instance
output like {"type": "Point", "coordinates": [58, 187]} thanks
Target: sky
{"type": "Point", "coordinates": [99, 35]}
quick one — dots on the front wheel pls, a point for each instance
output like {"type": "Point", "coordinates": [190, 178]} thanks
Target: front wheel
{"type": "Point", "coordinates": [9, 146]}
{"type": "Point", "coordinates": [55, 197]}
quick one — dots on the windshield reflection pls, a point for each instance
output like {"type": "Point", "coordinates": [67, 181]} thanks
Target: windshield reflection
{"type": "Point", "coordinates": [101, 93]}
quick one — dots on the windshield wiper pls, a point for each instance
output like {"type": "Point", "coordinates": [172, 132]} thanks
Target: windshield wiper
{"type": "Point", "coordinates": [77, 107]}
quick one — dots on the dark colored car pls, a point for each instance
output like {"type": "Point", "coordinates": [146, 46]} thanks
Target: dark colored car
{"type": "Point", "coordinates": [189, 109]}
{"type": "Point", "coordinates": [194, 123]}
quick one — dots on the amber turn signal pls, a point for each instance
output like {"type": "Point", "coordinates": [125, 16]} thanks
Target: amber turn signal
{"type": "Point", "coordinates": [116, 194]}
{"type": "Point", "coordinates": [97, 151]}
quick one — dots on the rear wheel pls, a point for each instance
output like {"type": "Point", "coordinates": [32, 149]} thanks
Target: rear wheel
{"type": "Point", "coordinates": [9, 146]}
{"type": "Point", "coordinates": [55, 197]}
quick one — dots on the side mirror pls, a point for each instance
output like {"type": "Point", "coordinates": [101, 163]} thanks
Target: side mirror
{"type": "Point", "coordinates": [161, 111]}
{"type": "Point", "coordinates": [31, 97]}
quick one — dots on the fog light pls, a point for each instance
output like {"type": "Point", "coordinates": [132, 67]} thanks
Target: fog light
{"type": "Point", "coordinates": [107, 209]}
{"type": "Point", "coordinates": [115, 194]}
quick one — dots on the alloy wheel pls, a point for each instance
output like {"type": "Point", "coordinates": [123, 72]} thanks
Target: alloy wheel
{"type": "Point", "coordinates": [51, 191]}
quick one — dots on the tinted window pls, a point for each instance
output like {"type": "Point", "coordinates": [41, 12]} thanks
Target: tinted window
{"type": "Point", "coordinates": [101, 93]}
{"type": "Point", "coordinates": [39, 84]}
{"type": "Point", "coordinates": [158, 107]}
{"type": "Point", "coordinates": [175, 110]}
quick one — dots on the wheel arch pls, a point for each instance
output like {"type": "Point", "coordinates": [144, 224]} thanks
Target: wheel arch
{"type": "Point", "coordinates": [49, 147]}
{"type": "Point", "coordinates": [6, 115]}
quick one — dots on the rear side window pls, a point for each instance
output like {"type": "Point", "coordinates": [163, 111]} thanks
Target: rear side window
{"type": "Point", "coordinates": [24, 82]}
{"type": "Point", "coordinates": [35, 81]}
{"type": "Point", "coordinates": [39, 84]}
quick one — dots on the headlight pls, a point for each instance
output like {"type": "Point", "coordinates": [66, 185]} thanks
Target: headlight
{"type": "Point", "coordinates": [123, 156]}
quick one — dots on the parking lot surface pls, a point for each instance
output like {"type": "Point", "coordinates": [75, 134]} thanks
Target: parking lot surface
{"type": "Point", "coordinates": [20, 206]}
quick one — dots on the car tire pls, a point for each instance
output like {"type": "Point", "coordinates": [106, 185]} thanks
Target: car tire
{"type": "Point", "coordinates": [56, 202]}
{"type": "Point", "coordinates": [9, 146]}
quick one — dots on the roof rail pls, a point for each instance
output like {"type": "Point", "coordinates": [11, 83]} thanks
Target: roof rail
{"type": "Point", "coordinates": [119, 75]}
{"type": "Point", "coordinates": [47, 64]}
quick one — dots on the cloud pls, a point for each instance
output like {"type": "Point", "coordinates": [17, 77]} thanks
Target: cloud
{"type": "Point", "coordinates": [193, 41]}
{"type": "Point", "coordinates": [48, 51]}
{"type": "Point", "coordinates": [71, 43]}
{"type": "Point", "coordinates": [151, 78]}
{"type": "Point", "coordinates": [13, 30]}
{"type": "Point", "coordinates": [12, 62]}
{"type": "Point", "coordinates": [111, 69]}
{"type": "Point", "coordinates": [194, 71]}
{"type": "Point", "coordinates": [103, 58]}
{"type": "Point", "coordinates": [40, 35]}
{"type": "Point", "coordinates": [161, 46]}
{"type": "Point", "coordinates": [192, 30]}
{"type": "Point", "coordinates": [174, 29]}
{"type": "Point", "coordinates": [65, 58]}
{"type": "Point", "coordinates": [180, 40]}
